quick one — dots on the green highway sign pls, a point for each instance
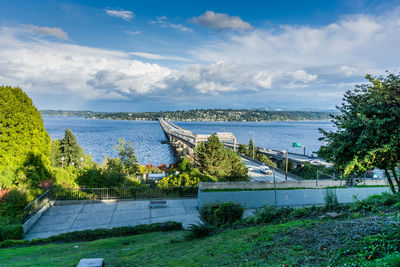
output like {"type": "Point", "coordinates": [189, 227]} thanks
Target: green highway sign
{"type": "Point", "coordinates": [297, 144]}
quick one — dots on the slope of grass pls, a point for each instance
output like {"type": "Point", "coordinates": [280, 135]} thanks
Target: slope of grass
{"type": "Point", "coordinates": [156, 249]}
{"type": "Point", "coordinates": [366, 232]}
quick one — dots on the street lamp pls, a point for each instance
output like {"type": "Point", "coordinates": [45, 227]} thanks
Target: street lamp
{"type": "Point", "coordinates": [81, 162]}
{"type": "Point", "coordinates": [253, 142]}
{"type": "Point", "coordinates": [286, 164]}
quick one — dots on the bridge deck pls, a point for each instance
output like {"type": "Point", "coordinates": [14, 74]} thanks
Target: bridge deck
{"type": "Point", "coordinates": [192, 139]}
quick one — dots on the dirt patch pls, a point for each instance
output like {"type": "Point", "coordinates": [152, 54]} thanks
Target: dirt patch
{"type": "Point", "coordinates": [332, 234]}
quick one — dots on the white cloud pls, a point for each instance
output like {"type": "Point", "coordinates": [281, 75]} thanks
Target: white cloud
{"type": "Point", "coordinates": [122, 14]}
{"type": "Point", "coordinates": [58, 68]}
{"type": "Point", "coordinates": [220, 21]}
{"type": "Point", "coordinates": [363, 42]}
{"type": "Point", "coordinates": [55, 32]}
{"type": "Point", "coordinates": [162, 22]}
{"type": "Point", "coordinates": [223, 77]}
{"type": "Point", "coordinates": [159, 57]}
{"type": "Point", "coordinates": [133, 32]}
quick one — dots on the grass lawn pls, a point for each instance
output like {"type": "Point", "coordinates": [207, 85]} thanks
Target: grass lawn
{"type": "Point", "coordinates": [160, 249]}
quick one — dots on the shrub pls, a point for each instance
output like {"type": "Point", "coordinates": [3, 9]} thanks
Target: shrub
{"type": "Point", "coordinates": [200, 230]}
{"type": "Point", "coordinates": [376, 202]}
{"type": "Point", "coordinates": [11, 231]}
{"type": "Point", "coordinates": [14, 203]}
{"type": "Point", "coordinates": [268, 214]}
{"type": "Point", "coordinates": [221, 213]}
{"type": "Point", "coordinates": [90, 235]}
{"type": "Point", "coordinates": [330, 199]}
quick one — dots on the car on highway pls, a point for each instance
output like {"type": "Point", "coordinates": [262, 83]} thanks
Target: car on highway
{"type": "Point", "coordinates": [266, 170]}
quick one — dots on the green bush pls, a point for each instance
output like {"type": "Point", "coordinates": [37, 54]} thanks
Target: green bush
{"type": "Point", "coordinates": [14, 203]}
{"type": "Point", "coordinates": [377, 202]}
{"type": "Point", "coordinates": [221, 213]}
{"type": "Point", "coordinates": [200, 230]}
{"type": "Point", "coordinates": [390, 260]}
{"type": "Point", "coordinates": [11, 231]}
{"type": "Point", "coordinates": [90, 235]}
{"type": "Point", "coordinates": [330, 198]}
{"type": "Point", "coordinates": [268, 214]}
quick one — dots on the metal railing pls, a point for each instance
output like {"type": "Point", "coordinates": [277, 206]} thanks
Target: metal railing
{"type": "Point", "coordinates": [107, 193]}
{"type": "Point", "coordinates": [124, 193]}
{"type": "Point", "coordinates": [37, 204]}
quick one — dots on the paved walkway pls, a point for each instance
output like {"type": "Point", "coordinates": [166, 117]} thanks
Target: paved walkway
{"type": "Point", "coordinates": [69, 218]}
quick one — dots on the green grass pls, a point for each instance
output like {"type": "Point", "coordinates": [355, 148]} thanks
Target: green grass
{"type": "Point", "coordinates": [155, 249]}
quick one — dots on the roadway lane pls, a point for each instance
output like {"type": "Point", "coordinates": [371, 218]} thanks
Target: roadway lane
{"type": "Point", "coordinates": [257, 176]}
{"type": "Point", "coordinates": [295, 157]}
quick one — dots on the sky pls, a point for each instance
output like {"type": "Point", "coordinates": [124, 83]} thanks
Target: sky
{"type": "Point", "coordinates": [178, 55]}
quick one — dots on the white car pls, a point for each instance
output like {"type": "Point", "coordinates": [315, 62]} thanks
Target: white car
{"type": "Point", "coordinates": [265, 170]}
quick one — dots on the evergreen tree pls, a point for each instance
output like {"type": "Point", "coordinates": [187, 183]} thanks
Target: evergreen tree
{"type": "Point", "coordinates": [214, 159]}
{"type": "Point", "coordinates": [70, 149]}
{"type": "Point", "coordinates": [21, 133]}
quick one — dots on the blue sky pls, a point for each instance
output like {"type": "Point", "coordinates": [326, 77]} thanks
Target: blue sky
{"type": "Point", "coordinates": [169, 55]}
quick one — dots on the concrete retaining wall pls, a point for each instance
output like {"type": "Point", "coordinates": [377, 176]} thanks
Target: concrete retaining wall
{"type": "Point", "coordinates": [31, 222]}
{"type": "Point", "coordinates": [291, 197]}
{"type": "Point", "coordinates": [280, 184]}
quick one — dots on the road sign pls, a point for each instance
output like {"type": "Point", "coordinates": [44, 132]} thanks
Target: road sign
{"type": "Point", "coordinates": [297, 144]}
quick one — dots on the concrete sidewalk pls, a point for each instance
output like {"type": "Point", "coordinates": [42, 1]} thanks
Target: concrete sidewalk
{"type": "Point", "coordinates": [69, 218]}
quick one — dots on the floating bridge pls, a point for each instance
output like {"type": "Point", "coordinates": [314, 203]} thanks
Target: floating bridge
{"type": "Point", "coordinates": [185, 141]}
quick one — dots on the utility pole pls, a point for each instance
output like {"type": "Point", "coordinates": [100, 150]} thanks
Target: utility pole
{"type": "Point", "coordinates": [287, 163]}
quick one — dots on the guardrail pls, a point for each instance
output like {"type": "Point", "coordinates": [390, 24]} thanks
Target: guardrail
{"type": "Point", "coordinates": [123, 193]}
{"type": "Point", "coordinates": [106, 193]}
{"type": "Point", "coordinates": [37, 204]}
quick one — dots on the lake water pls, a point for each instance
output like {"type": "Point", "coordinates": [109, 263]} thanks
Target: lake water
{"type": "Point", "coordinates": [99, 136]}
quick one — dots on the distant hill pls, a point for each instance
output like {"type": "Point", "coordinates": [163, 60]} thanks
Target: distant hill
{"type": "Point", "coordinates": [198, 115]}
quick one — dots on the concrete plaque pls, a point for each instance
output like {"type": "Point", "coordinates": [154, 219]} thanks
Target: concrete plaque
{"type": "Point", "coordinates": [97, 262]}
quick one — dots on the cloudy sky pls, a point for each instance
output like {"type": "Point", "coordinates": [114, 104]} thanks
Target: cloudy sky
{"type": "Point", "coordinates": [168, 55]}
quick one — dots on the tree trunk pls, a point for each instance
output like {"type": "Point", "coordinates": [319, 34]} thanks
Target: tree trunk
{"type": "Point", "coordinates": [390, 181]}
{"type": "Point", "coordinates": [396, 178]}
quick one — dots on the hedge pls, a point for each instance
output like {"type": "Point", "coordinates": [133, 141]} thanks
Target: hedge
{"type": "Point", "coordinates": [90, 235]}
{"type": "Point", "coordinates": [11, 231]}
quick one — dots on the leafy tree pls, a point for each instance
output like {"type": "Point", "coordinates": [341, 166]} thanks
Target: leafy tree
{"type": "Point", "coordinates": [126, 155]}
{"type": "Point", "coordinates": [368, 129]}
{"type": "Point", "coordinates": [188, 178]}
{"type": "Point", "coordinates": [21, 133]}
{"type": "Point", "coordinates": [70, 149]}
{"type": "Point", "coordinates": [214, 159]}
{"type": "Point", "coordinates": [265, 159]}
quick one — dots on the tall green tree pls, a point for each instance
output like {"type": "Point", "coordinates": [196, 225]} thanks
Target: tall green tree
{"type": "Point", "coordinates": [22, 133]}
{"type": "Point", "coordinates": [70, 149]}
{"type": "Point", "coordinates": [214, 159]}
{"type": "Point", "coordinates": [368, 129]}
{"type": "Point", "coordinates": [126, 154]}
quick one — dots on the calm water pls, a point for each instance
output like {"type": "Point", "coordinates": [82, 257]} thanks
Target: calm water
{"type": "Point", "coordinates": [99, 136]}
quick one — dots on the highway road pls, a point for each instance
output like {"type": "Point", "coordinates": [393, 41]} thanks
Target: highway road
{"type": "Point", "coordinates": [257, 176]}
{"type": "Point", "coordinates": [295, 157]}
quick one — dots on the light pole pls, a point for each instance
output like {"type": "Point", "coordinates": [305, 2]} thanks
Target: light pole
{"type": "Point", "coordinates": [286, 163]}
{"type": "Point", "coordinates": [62, 162]}
{"type": "Point", "coordinates": [253, 142]}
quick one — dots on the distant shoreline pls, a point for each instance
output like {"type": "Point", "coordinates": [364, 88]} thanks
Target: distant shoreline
{"type": "Point", "coordinates": [61, 116]}
{"type": "Point", "coordinates": [200, 115]}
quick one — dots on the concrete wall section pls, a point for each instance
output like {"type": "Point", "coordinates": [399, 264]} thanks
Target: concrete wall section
{"type": "Point", "coordinates": [31, 222]}
{"type": "Point", "coordinates": [295, 197]}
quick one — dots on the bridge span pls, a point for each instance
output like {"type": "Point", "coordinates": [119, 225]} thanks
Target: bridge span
{"type": "Point", "coordinates": [185, 141]}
